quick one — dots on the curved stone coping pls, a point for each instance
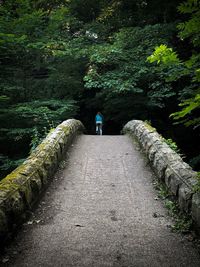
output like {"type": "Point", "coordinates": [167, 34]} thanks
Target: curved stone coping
{"type": "Point", "coordinates": [169, 167]}
{"type": "Point", "coordinates": [21, 188]}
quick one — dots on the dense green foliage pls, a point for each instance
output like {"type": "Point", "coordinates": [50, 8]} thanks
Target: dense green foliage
{"type": "Point", "coordinates": [120, 71]}
{"type": "Point", "coordinates": [69, 58]}
{"type": "Point", "coordinates": [186, 67]}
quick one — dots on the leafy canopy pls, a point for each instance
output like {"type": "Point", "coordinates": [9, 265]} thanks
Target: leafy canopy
{"type": "Point", "coordinates": [185, 68]}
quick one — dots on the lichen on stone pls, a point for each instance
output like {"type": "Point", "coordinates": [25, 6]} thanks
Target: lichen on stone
{"type": "Point", "coordinates": [21, 188]}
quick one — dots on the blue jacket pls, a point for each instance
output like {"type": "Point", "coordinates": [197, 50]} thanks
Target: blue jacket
{"type": "Point", "coordinates": [99, 118]}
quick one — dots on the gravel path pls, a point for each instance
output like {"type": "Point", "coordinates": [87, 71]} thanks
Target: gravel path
{"type": "Point", "coordinates": [99, 211]}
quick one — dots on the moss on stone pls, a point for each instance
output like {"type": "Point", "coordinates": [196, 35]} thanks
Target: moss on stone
{"type": "Point", "coordinates": [20, 189]}
{"type": "Point", "coordinates": [8, 186]}
{"type": "Point", "coordinates": [149, 127]}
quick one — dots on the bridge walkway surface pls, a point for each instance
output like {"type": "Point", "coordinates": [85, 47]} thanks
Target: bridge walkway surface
{"type": "Point", "coordinates": [101, 210]}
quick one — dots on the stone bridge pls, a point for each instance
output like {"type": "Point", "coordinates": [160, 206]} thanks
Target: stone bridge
{"type": "Point", "coordinates": [89, 201]}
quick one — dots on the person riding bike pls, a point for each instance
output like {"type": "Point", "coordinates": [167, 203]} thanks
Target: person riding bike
{"type": "Point", "coordinates": [99, 123]}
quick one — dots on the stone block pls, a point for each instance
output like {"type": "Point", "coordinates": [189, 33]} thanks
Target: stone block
{"type": "Point", "coordinates": [185, 198]}
{"type": "Point", "coordinates": [151, 153]}
{"type": "Point", "coordinates": [3, 225]}
{"type": "Point", "coordinates": [159, 164]}
{"type": "Point", "coordinates": [172, 180]}
{"type": "Point", "coordinates": [36, 187]}
{"type": "Point", "coordinates": [24, 189]}
{"type": "Point", "coordinates": [196, 209]}
{"type": "Point", "coordinates": [17, 207]}
{"type": "Point", "coordinates": [148, 140]}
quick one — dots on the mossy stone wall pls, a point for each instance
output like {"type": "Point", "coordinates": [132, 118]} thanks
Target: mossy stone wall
{"type": "Point", "coordinates": [169, 167]}
{"type": "Point", "coordinates": [22, 188]}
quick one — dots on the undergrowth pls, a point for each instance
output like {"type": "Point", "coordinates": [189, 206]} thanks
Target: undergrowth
{"type": "Point", "coordinates": [172, 144]}
{"type": "Point", "coordinates": [39, 134]}
{"type": "Point", "coordinates": [196, 187]}
{"type": "Point", "coordinates": [182, 221]}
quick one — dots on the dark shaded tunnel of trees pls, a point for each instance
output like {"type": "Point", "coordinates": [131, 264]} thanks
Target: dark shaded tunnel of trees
{"type": "Point", "coordinates": [70, 59]}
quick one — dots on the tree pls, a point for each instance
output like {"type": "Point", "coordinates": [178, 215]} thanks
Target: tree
{"type": "Point", "coordinates": [37, 88]}
{"type": "Point", "coordinates": [119, 72]}
{"type": "Point", "coordinates": [189, 68]}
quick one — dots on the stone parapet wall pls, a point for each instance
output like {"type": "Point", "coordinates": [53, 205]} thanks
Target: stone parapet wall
{"type": "Point", "coordinates": [21, 189]}
{"type": "Point", "coordinates": [168, 166]}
